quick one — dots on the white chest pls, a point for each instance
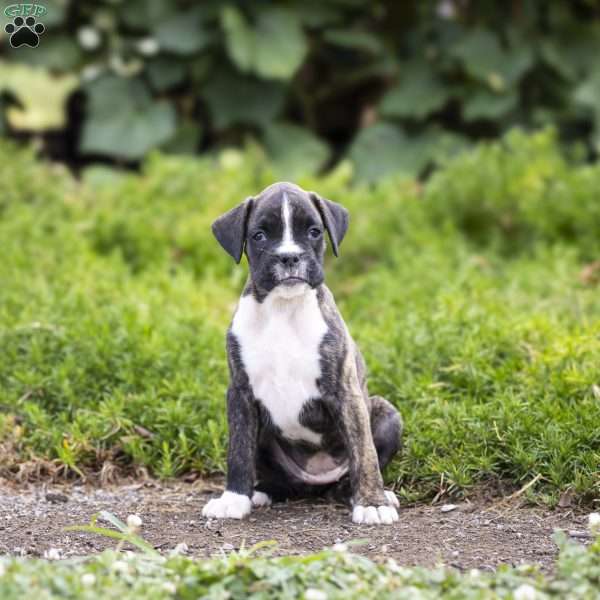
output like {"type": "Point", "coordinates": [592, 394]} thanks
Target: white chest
{"type": "Point", "coordinates": [279, 341]}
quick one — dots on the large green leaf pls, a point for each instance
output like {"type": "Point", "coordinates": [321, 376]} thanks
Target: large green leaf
{"type": "Point", "coordinates": [41, 95]}
{"type": "Point", "coordinates": [439, 145]}
{"type": "Point", "coordinates": [295, 151]}
{"type": "Point", "coordinates": [316, 13]}
{"type": "Point", "coordinates": [146, 14]}
{"type": "Point", "coordinates": [183, 33]}
{"type": "Point", "coordinates": [484, 58]}
{"type": "Point", "coordinates": [123, 120]}
{"type": "Point", "coordinates": [56, 15]}
{"type": "Point", "coordinates": [234, 99]}
{"type": "Point", "coordinates": [60, 53]}
{"type": "Point", "coordinates": [274, 45]}
{"type": "Point", "coordinates": [384, 149]}
{"type": "Point", "coordinates": [587, 93]}
{"type": "Point", "coordinates": [419, 93]}
{"type": "Point", "coordinates": [572, 51]}
{"type": "Point", "coordinates": [165, 73]}
{"type": "Point", "coordinates": [483, 104]}
{"type": "Point", "coordinates": [356, 40]}
{"type": "Point", "coordinates": [185, 140]}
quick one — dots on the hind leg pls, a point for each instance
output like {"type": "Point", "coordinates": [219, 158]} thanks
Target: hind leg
{"type": "Point", "coordinates": [386, 427]}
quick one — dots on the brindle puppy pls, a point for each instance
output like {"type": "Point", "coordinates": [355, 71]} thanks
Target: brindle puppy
{"type": "Point", "coordinates": [301, 421]}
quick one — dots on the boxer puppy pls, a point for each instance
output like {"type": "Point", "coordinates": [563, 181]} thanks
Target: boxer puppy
{"type": "Point", "coordinates": [301, 420]}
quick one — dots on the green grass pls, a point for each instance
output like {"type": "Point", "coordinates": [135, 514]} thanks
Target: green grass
{"type": "Point", "coordinates": [327, 575]}
{"type": "Point", "coordinates": [464, 294]}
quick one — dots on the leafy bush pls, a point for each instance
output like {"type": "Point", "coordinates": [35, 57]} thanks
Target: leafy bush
{"type": "Point", "coordinates": [327, 574]}
{"type": "Point", "coordinates": [392, 86]}
{"type": "Point", "coordinates": [474, 299]}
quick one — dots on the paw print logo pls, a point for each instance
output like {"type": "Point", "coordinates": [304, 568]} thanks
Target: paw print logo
{"type": "Point", "coordinates": [24, 32]}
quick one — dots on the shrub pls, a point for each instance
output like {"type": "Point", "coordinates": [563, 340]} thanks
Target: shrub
{"type": "Point", "coordinates": [393, 86]}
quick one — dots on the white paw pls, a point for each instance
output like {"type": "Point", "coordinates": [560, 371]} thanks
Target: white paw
{"type": "Point", "coordinates": [374, 515]}
{"type": "Point", "coordinates": [392, 498]}
{"type": "Point", "coordinates": [229, 506]}
{"type": "Point", "coordinates": [261, 499]}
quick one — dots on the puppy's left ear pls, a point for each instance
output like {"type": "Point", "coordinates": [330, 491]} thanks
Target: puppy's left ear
{"type": "Point", "coordinates": [335, 218]}
{"type": "Point", "coordinates": [230, 228]}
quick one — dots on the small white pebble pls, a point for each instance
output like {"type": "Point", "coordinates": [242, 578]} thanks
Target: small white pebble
{"type": "Point", "coordinates": [120, 566]}
{"type": "Point", "coordinates": [134, 522]}
{"type": "Point", "coordinates": [169, 587]}
{"type": "Point", "coordinates": [340, 547]}
{"type": "Point", "coordinates": [448, 508]}
{"type": "Point", "coordinates": [314, 594]}
{"type": "Point", "coordinates": [52, 554]}
{"type": "Point", "coordinates": [181, 548]}
{"type": "Point", "coordinates": [392, 565]}
{"type": "Point", "coordinates": [88, 579]}
{"type": "Point", "coordinates": [525, 592]}
{"type": "Point", "coordinates": [594, 523]}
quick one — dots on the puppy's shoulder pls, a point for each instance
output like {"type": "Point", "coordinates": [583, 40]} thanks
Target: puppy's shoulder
{"type": "Point", "coordinates": [332, 316]}
{"type": "Point", "coordinates": [327, 303]}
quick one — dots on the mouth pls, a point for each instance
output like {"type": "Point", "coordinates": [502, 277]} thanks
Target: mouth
{"type": "Point", "coordinates": [288, 281]}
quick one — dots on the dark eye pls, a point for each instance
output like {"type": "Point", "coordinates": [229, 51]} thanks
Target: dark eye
{"type": "Point", "coordinates": [259, 236]}
{"type": "Point", "coordinates": [314, 232]}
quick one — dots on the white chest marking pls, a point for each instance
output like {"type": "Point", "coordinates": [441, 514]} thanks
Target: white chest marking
{"type": "Point", "coordinates": [279, 343]}
{"type": "Point", "coordinates": [288, 245]}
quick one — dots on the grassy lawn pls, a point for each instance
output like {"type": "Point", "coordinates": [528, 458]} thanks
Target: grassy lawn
{"type": "Point", "coordinates": [474, 298]}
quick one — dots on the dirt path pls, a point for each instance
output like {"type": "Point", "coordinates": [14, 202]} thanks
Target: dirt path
{"type": "Point", "coordinates": [471, 536]}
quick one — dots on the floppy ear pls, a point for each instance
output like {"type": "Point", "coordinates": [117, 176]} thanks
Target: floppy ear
{"type": "Point", "coordinates": [230, 228]}
{"type": "Point", "coordinates": [335, 218]}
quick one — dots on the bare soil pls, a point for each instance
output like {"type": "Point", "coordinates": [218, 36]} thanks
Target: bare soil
{"type": "Point", "coordinates": [479, 535]}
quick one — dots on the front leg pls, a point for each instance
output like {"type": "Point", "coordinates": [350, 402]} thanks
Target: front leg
{"type": "Point", "coordinates": [235, 502]}
{"type": "Point", "coordinates": [369, 500]}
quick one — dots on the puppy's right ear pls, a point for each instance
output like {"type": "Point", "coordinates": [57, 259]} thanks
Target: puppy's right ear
{"type": "Point", "coordinates": [230, 228]}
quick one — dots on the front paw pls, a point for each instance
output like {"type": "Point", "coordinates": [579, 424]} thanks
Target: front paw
{"type": "Point", "coordinates": [374, 515]}
{"type": "Point", "coordinates": [392, 498]}
{"type": "Point", "coordinates": [229, 506]}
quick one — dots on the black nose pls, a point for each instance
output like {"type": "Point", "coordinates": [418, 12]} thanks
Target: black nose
{"type": "Point", "coordinates": [289, 259]}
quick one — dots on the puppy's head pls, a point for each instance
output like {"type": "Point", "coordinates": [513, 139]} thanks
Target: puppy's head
{"type": "Point", "coordinates": [282, 231]}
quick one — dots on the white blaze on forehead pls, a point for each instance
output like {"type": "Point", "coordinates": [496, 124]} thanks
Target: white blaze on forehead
{"type": "Point", "coordinates": [288, 245]}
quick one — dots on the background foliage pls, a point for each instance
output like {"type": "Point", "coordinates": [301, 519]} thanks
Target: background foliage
{"type": "Point", "coordinates": [473, 297]}
{"type": "Point", "coordinates": [393, 86]}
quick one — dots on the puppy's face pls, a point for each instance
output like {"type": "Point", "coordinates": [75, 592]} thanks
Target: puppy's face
{"type": "Point", "coordinates": [282, 231]}
{"type": "Point", "coordinates": [285, 241]}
